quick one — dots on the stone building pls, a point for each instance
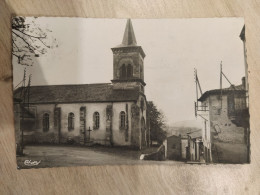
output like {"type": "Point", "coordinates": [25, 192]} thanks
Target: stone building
{"type": "Point", "coordinates": [105, 113]}
{"type": "Point", "coordinates": [225, 133]}
{"type": "Point", "coordinates": [243, 38]}
{"type": "Point", "coordinates": [225, 113]}
{"type": "Point", "coordinates": [194, 148]}
{"type": "Point", "coordinates": [174, 147]}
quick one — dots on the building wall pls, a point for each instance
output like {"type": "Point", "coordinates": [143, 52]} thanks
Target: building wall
{"type": "Point", "coordinates": [139, 134]}
{"type": "Point", "coordinates": [119, 135]}
{"type": "Point", "coordinates": [191, 149]}
{"type": "Point", "coordinates": [224, 132]}
{"type": "Point", "coordinates": [34, 133]}
{"type": "Point", "coordinates": [174, 148]}
{"type": "Point", "coordinates": [194, 149]}
{"type": "Point", "coordinates": [184, 145]}
{"type": "Point", "coordinates": [17, 122]}
{"type": "Point", "coordinates": [246, 68]}
{"type": "Point", "coordinates": [222, 128]}
{"type": "Point", "coordinates": [206, 130]}
{"type": "Point", "coordinates": [131, 135]}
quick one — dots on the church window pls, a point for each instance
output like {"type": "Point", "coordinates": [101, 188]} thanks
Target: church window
{"type": "Point", "coordinates": [45, 122]}
{"type": "Point", "coordinates": [123, 71]}
{"type": "Point", "coordinates": [96, 120]}
{"type": "Point", "coordinates": [129, 71]}
{"type": "Point", "coordinates": [122, 119]}
{"type": "Point", "coordinates": [71, 121]}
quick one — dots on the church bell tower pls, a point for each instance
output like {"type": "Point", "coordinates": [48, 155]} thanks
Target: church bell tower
{"type": "Point", "coordinates": [128, 57]}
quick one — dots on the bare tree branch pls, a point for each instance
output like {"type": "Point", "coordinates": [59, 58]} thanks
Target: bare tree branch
{"type": "Point", "coordinates": [30, 35]}
{"type": "Point", "coordinates": [30, 40]}
{"type": "Point", "coordinates": [15, 45]}
{"type": "Point", "coordinates": [15, 55]}
{"type": "Point", "coordinates": [30, 46]}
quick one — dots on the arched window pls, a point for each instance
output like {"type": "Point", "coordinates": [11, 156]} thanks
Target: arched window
{"type": "Point", "coordinates": [70, 121]}
{"type": "Point", "coordinates": [123, 71]}
{"type": "Point", "coordinates": [122, 119]}
{"type": "Point", "coordinates": [45, 122]}
{"type": "Point", "coordinates": [129, 71]}
{"type": "Point", "coordinates": [96, 120]}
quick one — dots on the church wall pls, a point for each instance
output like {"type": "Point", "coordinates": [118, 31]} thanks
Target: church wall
{"type": "Point", "coordinates": [17, 122]}
{"type": "Point", "coordinates": [141, 62]}
{"type": "Point", "coordinates": [34, 133]}
{"type": "Point", "coordinates": [96, 135]}
{"type": "Point", "coordinates": [119, 135]}
{"type": "Point", "coordinates": [143, 115]}
{"type": "Point", "coordinates": [137, 114]}
{"type": "Point", "coordinates": [37, 135]}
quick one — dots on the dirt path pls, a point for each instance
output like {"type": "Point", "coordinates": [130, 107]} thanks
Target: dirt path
{"type": "Point", "coordinates": [59, 156]}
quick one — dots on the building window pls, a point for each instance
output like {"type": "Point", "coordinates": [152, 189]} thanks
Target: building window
{"type": "Point", "coordinates": [45, 122]}
{"type": "Point", "coordinates": [71, 121]}
{"type": "Point", "coordinates": [96, 120]}
{"type": "Point", "coordinates": [129, 71]}
{"type": "Point", "coordinates": [123, 72]}
{"type": "Point", "coordinates": [122, 119]}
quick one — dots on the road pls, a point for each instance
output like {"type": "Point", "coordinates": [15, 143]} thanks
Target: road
{"type": "Point", "coordinates": [61, 156]}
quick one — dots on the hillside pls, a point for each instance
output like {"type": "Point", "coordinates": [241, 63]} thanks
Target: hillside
{"type": "Point", "coordinates": [184, 127]}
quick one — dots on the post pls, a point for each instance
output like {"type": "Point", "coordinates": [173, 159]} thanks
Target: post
{"type": "Point", "coordinates": [196, 82]}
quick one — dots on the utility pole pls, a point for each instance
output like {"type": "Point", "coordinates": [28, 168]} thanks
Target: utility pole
{"type": "Point", "coordinates": [198, 88]}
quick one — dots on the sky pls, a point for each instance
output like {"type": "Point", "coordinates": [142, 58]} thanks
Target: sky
{"type": "Point", "coordinates": [173, 48]}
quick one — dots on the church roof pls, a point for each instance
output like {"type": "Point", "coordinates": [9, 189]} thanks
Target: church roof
{"type": "Point", "coordinates": [103, 92]}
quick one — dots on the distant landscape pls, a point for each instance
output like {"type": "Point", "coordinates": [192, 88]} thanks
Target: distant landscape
{"type": "Point", "coordinates": [183, 127]}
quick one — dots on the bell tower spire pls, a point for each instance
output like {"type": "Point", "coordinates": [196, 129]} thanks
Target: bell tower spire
{"type": "Point", "coordinates": [129, 35]}
{"type": "Point", "coordinates": [128, 60]}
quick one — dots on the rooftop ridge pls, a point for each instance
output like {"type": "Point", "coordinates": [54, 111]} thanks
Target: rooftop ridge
{"type": "Point", "coordinates": [70, 84]}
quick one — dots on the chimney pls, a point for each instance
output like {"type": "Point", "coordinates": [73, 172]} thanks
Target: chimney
{"type": "Point", "coordinates": [244, 82]}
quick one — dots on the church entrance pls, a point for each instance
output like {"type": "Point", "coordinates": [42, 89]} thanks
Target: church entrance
{"type": "Point", "coordinates": [143, 134]}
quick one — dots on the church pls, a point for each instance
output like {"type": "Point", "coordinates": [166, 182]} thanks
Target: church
{"type": "Point", "coordinates": [111, 114]}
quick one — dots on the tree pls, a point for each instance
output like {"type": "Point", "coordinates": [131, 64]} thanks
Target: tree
{"type": "Point", "coordinates": [157, 123]}
{"type": "Point", "coordinates": [29, 40]}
